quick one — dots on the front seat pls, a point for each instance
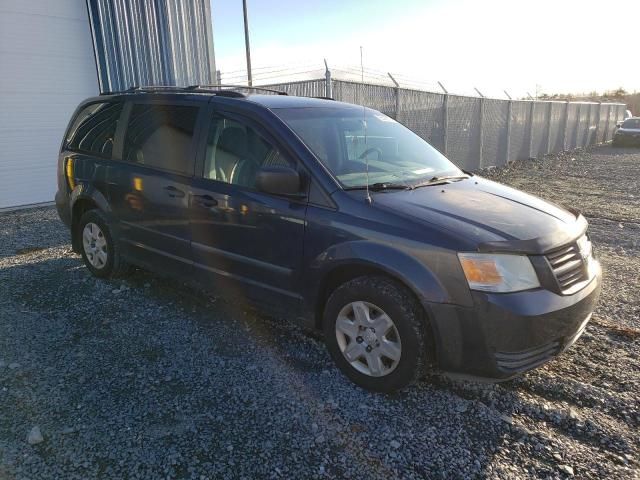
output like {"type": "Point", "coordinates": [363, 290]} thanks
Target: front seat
{"type": "Point", "coordinates": [231, 151]}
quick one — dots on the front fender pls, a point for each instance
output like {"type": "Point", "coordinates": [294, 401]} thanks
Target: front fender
{"type": "Point", "coordinates": [430, 273]}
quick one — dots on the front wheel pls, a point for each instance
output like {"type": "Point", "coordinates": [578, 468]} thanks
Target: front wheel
{"type": "Point", "coordinates": [376, 332]}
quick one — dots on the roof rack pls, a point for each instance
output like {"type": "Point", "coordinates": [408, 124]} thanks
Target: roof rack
{"type": "Point", "coordinates": [221, 90]}
{"type": "Point", "coordinates": [231, 87]}
{"type": "Point", "coordinates": [143, 88]}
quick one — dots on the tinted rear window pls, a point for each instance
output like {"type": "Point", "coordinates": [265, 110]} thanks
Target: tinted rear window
{"type": "Point", "coordinates": [161, 136]}
{"type": "Point", "coordinates": [631, 123]}
{"type": "Point", "coordinates": [94, 128]}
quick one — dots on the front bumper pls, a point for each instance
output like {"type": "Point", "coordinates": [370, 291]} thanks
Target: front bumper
{"type": "Point", "coordinates": [504, 335]}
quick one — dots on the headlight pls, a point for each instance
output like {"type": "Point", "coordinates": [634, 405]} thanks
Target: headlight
{"type": "Point", "coordinates": [585, 247]}
{"type": "Point", "coordinates": [498, 272]}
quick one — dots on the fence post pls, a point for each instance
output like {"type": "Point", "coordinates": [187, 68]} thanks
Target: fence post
{"type": "Point", "coordinates": [445, 118]}
{"type": "Point", "coordinates": [587, 141]}
{"type": "Point", "coordinates": [566, 126]}
{"type": "Point", "coordinates": [577, 132]}
{"type": "Point", "coordinates": [328, 91]}
{"type": "Point", "coordinates": [549, 117]}
{"type": "Point", "coordinates": [445, 123]}
{"type": "Point", "coordinates": [397, 94]}
{"type": "Point", "coordinates": [598, 118]}
{"type": "Point", "coordinates": [532, 107]}
{"type": "Point", "coordinates": [605, 137]}
{"type": "Point", "coordinates": [481, 128]}
{"type": "Point", "coordinates": [218, 77]}
{"type": "Point", "coordinates": [509, 115]}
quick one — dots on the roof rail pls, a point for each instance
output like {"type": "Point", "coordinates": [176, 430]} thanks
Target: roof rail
{"type": "Point", "coordinates": [143, 88]}
{"type": "Point", "coordinates": [231, 87]}
{"type": "Point", "coordinates": [140, 88]}
{"type": "Point", "coordinates": [222, 90]}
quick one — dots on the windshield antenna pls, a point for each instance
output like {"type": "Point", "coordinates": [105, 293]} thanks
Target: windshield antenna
{"type": "Point", "coordinates": [364, 122]}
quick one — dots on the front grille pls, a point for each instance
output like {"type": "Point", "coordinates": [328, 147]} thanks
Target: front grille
{"type": "Point", "coordinates": [568, 267]}
{"type": "Point", "coordinates": [514, 362]}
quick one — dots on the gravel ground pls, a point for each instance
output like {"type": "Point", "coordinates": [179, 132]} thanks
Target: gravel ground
{"type": "Point", "coordinates": [149, 379]}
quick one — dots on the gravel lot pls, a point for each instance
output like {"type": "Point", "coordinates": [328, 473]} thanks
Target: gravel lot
{"type": "Point", "coordinates": [150, 379]}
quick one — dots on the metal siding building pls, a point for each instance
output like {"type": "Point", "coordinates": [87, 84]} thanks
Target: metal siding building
{"type": "Point", "coordinates": [48, 52]}
{"type": "Point", "coordinates": [152, 42]}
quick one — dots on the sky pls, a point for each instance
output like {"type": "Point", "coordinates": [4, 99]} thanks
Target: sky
{"type": "Point", "coordinates": [543, 46]}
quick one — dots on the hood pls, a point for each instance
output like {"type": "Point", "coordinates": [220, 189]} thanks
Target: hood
{"type": "Point", "coordinates": [492, 216]}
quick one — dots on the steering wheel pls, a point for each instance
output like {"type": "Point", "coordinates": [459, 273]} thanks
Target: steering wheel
{"type": "Point", "coordinates": [371, 150]}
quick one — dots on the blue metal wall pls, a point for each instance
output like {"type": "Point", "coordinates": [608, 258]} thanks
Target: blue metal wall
{"type": "Point", "coordinates": [152, 42]}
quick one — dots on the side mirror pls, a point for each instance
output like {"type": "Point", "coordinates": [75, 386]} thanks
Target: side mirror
{"type": "Point", "coordinates": [279, 181]}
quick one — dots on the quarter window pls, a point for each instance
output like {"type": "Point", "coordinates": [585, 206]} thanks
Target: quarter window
{"type": "Point", "coordinates": [161, 136]}
{"type": "Point", "coordinates": [235, 152]}
{"type": "Point", "coordinates": [94, 128]}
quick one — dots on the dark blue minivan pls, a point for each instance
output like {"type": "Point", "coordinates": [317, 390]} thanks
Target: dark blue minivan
{"type": "Point", "coordinates": [334, 215]}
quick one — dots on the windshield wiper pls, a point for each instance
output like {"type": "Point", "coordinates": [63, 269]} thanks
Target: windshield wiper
{"type": "Point", "coordinates": [379, 186]}
{"type": "Point", "coordinates": [438, 180]}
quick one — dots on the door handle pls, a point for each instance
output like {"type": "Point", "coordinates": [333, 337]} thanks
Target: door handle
{"type": "Point", "coordinates": [205, 201]}
{"type": "Point", "coordinates": [174, 192]}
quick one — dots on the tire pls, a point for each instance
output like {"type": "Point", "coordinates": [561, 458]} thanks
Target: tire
{"type": "Point", "coordinates": [100, 251]}
{"type": "Point", "coordinates": [378, 297]}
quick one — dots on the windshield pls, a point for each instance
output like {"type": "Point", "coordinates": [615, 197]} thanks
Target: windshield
{"type": "Point", "coordinates": [338, 137]}
{"type": "Point", "coordinates": [631, 123]}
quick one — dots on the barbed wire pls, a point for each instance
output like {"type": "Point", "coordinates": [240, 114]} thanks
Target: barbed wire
{"type": "Point", "coordinates": [284, 72]}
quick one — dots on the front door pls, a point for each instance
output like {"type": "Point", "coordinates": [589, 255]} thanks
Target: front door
{"type": "Point", "coordinates": [243, 240]}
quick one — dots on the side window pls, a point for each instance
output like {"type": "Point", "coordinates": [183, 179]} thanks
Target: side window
{"type": "Point", "coordinates": [161, 136]}
{"type": "Point", "coordinates": [235, 152]}
{"type": "Point", "coordinates": [93, 129]}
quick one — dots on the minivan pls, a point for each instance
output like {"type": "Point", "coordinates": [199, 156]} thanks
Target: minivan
{"type": "Point", "coordinates": [334, 216]}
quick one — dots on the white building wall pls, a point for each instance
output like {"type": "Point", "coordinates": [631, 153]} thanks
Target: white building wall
{"type": "Point", "coordinates": [47, 67]}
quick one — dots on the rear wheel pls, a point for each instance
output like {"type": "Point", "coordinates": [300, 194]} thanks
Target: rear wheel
{"type": "Point", "coordinates": [100, 252]}
{"type": "Point", "coordinates": [376, 333]}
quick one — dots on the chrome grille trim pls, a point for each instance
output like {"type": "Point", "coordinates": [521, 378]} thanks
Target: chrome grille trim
{"type": "Point", "coordinates": [568, 267]}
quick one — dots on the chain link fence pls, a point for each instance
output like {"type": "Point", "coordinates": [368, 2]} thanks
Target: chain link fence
{"type": "Point", "coordinates": [477, 132]}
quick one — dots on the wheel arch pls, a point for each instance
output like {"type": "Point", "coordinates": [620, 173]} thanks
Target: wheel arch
{"type": "Point", "coordinates": [82, 200]}
{"type": "Point", "coordinates": [361, 258]}
{"type": "Point", "coordinates": [347, 271]}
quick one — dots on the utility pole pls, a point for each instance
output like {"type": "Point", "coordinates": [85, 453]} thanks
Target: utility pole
{"type": "Point", "coordinates": [246, 42]}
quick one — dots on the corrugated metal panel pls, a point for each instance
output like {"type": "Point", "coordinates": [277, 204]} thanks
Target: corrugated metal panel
{"type": "Point", "coordinates": [152, 42]}
{"type": "Point", "coordinates": [46, 69]}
